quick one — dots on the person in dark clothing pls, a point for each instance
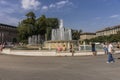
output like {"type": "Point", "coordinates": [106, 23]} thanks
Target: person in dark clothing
{"type": "Point", "coordinates": [72, 50]}
{"type": "Point", "coordinates": [93, 49]}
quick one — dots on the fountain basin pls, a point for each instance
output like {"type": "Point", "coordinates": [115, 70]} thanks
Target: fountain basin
{"type": "Point", "coordinates": [54, 44]}
{"type": "Point", "coordinates": [46, 53]}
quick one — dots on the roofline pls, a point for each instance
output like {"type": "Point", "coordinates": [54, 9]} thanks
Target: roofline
{"type": "Point", "coordinates": [1, 24]}
{"type": "Point", "coordinates": [88, 33]}
{"type": "Point", "coordinates": [109, 28]}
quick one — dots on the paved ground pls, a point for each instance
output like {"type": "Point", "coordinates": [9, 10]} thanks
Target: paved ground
{"type": "Point", "coordinates": [58, 68]}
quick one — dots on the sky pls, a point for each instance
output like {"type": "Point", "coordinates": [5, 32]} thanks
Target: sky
{"type": "Point", "coordinates": [87, 15]}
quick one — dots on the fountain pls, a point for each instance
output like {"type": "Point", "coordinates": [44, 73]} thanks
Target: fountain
{"type": "Point", "coordinates": [34, 40]}
{"type": "Point", "coordinates": [61, 33]}
{"type": "Point", "coordinates": [61, 36]}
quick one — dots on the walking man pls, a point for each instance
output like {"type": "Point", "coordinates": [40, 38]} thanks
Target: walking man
{"type": "Point", "coordinates": [93, 49]}
{"type": "Point", "coordinates": [110, 52]}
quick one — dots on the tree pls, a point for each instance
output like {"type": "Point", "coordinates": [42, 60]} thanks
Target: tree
{"type": "Point", "coordinates": [110, 38]}
{"type": "Point", "coordinates": [41, 26]}
{"type": "Point", "coordinates": [76, 34]}
{"type": "Point", "coordinates": [41, 23]}
{"type": "Point", "coordinates": [31, 15]}
{"type": "Point", "coordinates": [45, 25]}
{"type": "Point", "coordinates": [30, 21]}
{"type": "Point", "coordinates": [48, 32]}
{"type": "Point", "coordinates": [53, 23]}
{"type": "Point", "coordinates": [26, 27]}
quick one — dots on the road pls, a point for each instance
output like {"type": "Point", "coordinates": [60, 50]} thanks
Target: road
{"type": "Point", "coordinates": [58, 68]}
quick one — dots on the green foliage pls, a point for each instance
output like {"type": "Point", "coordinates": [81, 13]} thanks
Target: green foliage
{"type": "Point", "coordinates": [110, 38]}
{"type": "Point", "coordinates": [118, 32]}
{"type": "Point", "coordinates": [31, 15]}
{"type": "Point", "coordinates": [41, 23]}
{"type": "Point", "coordinates": [53, 22]}
{"type": "Point", "coordinates": [32, 26]}
{"type": "Point", "coordinates": [49, 30]}
{"type": "Point", "coordinates": [87, 41]}
{"type": "Point", "coordinates": [76, 34]}
{"type": "Point", "coordinates": [14, 40]}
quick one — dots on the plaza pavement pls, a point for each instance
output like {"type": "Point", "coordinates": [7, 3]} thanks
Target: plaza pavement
{"type": "Point", "coordinates": [58, 68]}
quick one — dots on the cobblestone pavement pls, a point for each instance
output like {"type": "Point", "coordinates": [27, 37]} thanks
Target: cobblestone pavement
{"type": "Point", "coordinates": [58, 68]}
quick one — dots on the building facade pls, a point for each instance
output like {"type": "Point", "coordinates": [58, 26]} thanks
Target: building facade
{"type": "Point", "coordinates": [108, 31]}
{"type": "Point", "coordinates": [87, 35]}
{"type": "Point", "coordinates": [8, 33]}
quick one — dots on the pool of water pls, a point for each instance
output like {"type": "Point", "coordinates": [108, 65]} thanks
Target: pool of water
{"type": "Point", "coordinates": [83, 48]}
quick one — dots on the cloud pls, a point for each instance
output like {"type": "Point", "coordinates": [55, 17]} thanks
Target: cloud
{"type": "Point", "coordinates": [45, 8]}
{"type": "Point", "coordinates": [98, 18]}
{"type": "Point", "coordinates": [57, 5]}
{"type": "Point", "coordinates": [3, 2]}
{"type": "Point", "coordinates": [30, 4]}
{"type": "Point", "coordinates": [114, 16]}
{"type": "Point", "coordinates": [52, 6]}
{"type": "Point", "coordinates": [60, 4]}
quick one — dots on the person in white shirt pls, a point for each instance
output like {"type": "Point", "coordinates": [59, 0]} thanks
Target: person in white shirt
{"type": "Point", "coordinates": [105, 48]}
{"type": "Point", "coordinates": [110, 52]}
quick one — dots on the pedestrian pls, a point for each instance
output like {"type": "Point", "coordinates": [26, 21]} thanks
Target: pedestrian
{"type": "Point", "coordinates": [105, 48]}
{"type": "Point", "coordinates": [64, 48]}
{"type": "Point", "coordinates": [118, 46]}
{"type": "Point", "coordinates": [1, 47]}
{"type": "Point", "coordinates": [72, 50]}
{"type": "Point", "coordinates": [110, 52]}
{"type": "Point", "coordinates": [79, 47]}
{"type": "Point", "coordinates": [59, 48]}
{"type": "Point", "coordinates": [93, 49]}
